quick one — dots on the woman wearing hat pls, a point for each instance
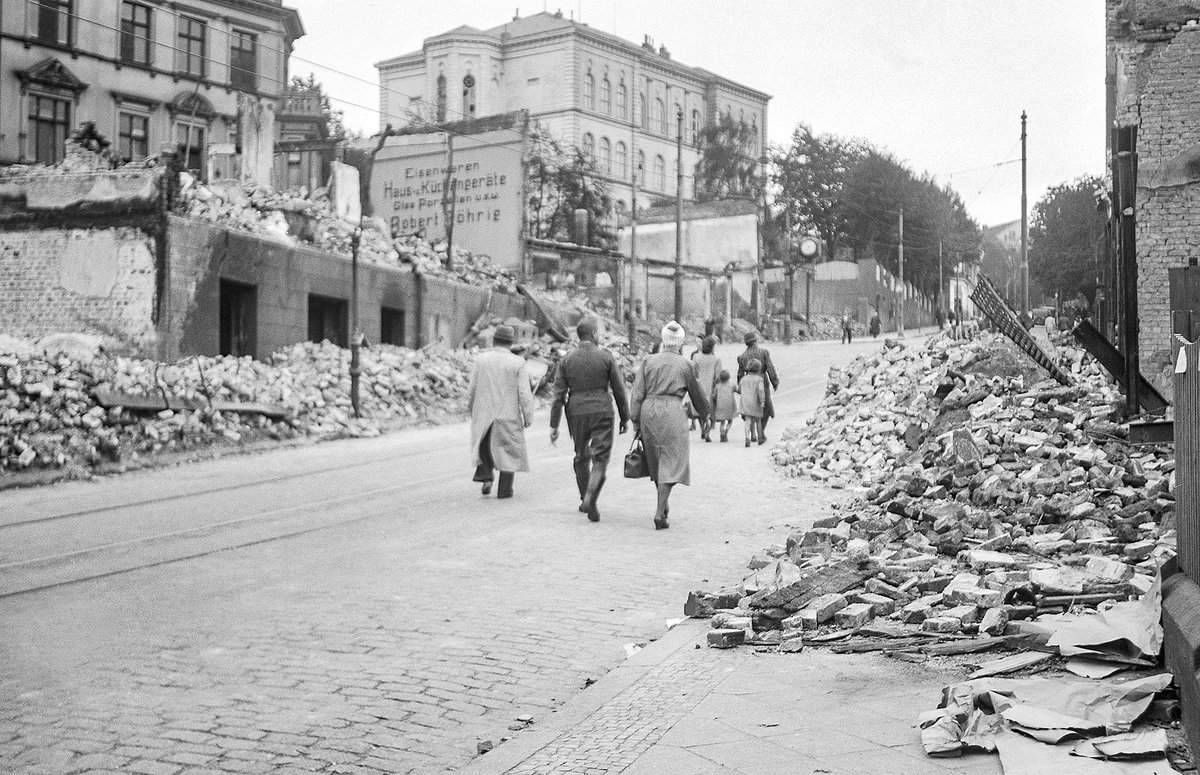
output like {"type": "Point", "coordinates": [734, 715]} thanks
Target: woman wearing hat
{"type": "Point", "coordinates": [500, 400]}
{"type": "Point", "coordinates": [770, 376]}
{"type": "Point", "coordinates": [658, 412]}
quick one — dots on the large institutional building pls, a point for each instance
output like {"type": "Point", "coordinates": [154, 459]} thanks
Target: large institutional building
{"type": "Point", "coordinates": [145, 72]}
{"type": "Point", "coordinates": [617, 100]}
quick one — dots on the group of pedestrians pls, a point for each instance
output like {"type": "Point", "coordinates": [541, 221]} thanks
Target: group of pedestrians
{"type": "Point", "coordinates": [589, 386]}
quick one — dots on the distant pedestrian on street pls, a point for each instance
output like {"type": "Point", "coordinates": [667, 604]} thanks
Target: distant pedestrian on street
{"type": "Point", "coordinates": [500, 400]}
{"type": "Point", "coordinates": [753, 390]}
{"type": "Point", "coordinates": [660, 385]}
{"type": "Point", "coordinates": [724, 404]}
{"type": "Point", "coordinates": [707, 366]}
{"type": "Point", "coordinates": [847, 331]}
{"type": "Point", "coordinates": [770, 378]}
{"type": "Point", "coordinates": [953, 323]}
{"type": "Point", "coordinates": [587, 384]}
{"type": "Point", "coordinates": [875, 325]}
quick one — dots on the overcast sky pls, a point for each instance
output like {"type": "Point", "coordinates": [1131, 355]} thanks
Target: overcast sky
{"type": "Point", "coordinates": [939, 83]}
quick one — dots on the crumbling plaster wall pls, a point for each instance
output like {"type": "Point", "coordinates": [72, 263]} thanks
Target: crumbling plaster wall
{"type": "Point", "coordinates": [96, 281]}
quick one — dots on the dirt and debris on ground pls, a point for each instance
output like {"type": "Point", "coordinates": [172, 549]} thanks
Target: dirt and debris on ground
{"type": "Point", "coordinates": [997, 520]}
{"type": "Point", "coordinates": [64, 404]}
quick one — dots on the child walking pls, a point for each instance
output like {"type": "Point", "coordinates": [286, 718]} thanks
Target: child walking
{"type": "Point", "coordinates": [724, 403]}
{"type": "Point", "coordinates": [754, 395]}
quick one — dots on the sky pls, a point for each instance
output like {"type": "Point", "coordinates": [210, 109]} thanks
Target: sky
{"type": "Point", "coordinates": [941, 84]}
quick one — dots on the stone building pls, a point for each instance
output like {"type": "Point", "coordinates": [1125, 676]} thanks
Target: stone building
{"type": "Point", "coordinates": [146, 73]}
{"type": "Point", "coordinates": [1154, 86]}
{"type": "Point", "coordinates": [615, 99]}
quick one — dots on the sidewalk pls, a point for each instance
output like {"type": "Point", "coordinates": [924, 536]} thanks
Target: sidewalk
{"type": "Point", "coordinates": [681, 708]}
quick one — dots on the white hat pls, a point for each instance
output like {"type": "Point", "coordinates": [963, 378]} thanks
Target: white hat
{"type": "Point", "coordinates": [673, 335]}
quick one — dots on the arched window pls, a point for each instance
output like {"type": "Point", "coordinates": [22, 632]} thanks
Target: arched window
{"type": "Point", "coordinates": [441, 98]}
{"type": "Point", "coordinates": [643, 116]}
{"type": "Point", "coordinates": [589, 145]}
{"type": "Point", "coordinates": [641, 168]}
{"type": "Point", "coordinates": [606, 96]}
{"type": "Point", "coordinates": [622, 99]}
{"type": "Point", "coordinates": [589, 91]}
{"type": "Point", "coordinates": [660, 173]}
{"type": "Point", "coordinates": [605, 156]}
{"type": "Point", "coordinates": [468, 108]}
{"type": "Point", "coordinates": [660, 117]}
{"type": "Point", "coordinates": [622, 160]}
{"type": "Point", "coordinates": [695, 126]}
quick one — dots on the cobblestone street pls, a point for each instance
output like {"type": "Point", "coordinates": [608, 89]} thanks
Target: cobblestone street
{"type": "Point", "coordinates": [418, 621]}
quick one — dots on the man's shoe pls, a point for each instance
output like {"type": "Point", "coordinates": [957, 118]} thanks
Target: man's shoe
{"type": "Point", "coordinates": [487, 488]}
{"type": "Point", "coordinates": [505, 488]}
{"type": "Point", "coordinates": [747, 442]}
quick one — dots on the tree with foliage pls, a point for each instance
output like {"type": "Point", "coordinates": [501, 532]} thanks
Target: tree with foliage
{"type": "Point", "coordinates": [727, 167]}
{"type": "Point", "coordinates": [560, 179]}
{"type": "Point", "coordinates": [1066, 238]}
{"type": "Point", "coordinates": [810, 176]}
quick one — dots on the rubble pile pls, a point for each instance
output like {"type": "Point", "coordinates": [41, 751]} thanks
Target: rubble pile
{"type": "Point", "coordinates": [989, 502]}
{"type": "Point", "coordinates": [308, 217]}
{"type": "Point", "coordinates": [50, 414]}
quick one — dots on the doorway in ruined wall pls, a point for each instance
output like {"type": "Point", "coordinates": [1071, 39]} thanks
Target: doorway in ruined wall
{"type": "Point", "coordinates": [239, 317]}
{"type": "Point", "coordinates": [391, 326]}
{"type": "Point", "coordinates": [328, 319]}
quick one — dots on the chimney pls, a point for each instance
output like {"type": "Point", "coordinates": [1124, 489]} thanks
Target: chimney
{"type": "Point", "coordinates": [662, 52]}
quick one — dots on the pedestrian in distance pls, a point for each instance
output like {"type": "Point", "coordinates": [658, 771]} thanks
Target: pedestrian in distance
{"type": "Point", "coordinates": [587, 384]}
{"type": "Point", "coordinates": [724, 403]}
{"type": "Point", "coordinates": [875, 325]}
{"type": "Point", "coordinates": [500, 400]}
{"type": "Point", "coordinates": [753, 390]}
{"type": "Point", "coordinates": [770, 378]}
{"type": "Point", "coordinates": [847, 331]}
{"type": "Point", "coordinates": [707, 366]}
{"type": "Point", "coordinates": [657, 410]}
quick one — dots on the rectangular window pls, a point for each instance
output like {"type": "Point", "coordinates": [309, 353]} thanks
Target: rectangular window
{"type": "Point", "coordinates": [243, 60]}
{"type": "Point", "coordinates": [190, 48]}
{"type": "Point", "coordinates": [49, 119]}
{"type": "Point", "coordinates": [133, 136]}
{"type": "Point", "coordinates": [327, 320]}
{"type": "Point", "coordinates": [191, 144]}
{"type": "Point", "coordinates": [239, 313]}
{"type": "Point", "coordinates": [135, 33]}
{"type": "Point", "coordinates": [391, 326]}
{"type": "Point", "coordinates": [54, 21]}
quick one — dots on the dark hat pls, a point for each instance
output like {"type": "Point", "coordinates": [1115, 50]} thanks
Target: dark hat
{"type": "Point", "coordinates": [503, 335]}
{"type": "Point", "coordinates": [751, 337]}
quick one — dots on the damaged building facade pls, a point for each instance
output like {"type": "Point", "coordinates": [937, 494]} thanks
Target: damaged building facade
{"type": "Point", "coordinates": [1154, 89]}
{"type": "Point", "coordinates": [146, 74]}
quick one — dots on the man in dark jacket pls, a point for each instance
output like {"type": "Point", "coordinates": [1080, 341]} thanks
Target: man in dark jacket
{"type": "Point", "coordinates": [587, 383]}
{"type": "Point", "coordinates": [770, 377]}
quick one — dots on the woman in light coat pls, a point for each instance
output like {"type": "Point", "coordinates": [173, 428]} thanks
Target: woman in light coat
{"type": "Point", "coordinates": [500, 400]}
{"type": "Point", "coordinates": [657, 410]}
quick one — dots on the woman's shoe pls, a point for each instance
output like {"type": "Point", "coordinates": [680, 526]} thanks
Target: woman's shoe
{"type": "Point", "coordinates": [747, 442]}
{"type": "Point", "coordinates": [487, 488]}
{"type": "Point", "coordinates": [660, 523]}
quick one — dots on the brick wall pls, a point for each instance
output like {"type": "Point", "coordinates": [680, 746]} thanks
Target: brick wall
{"type": "Point", "coordinates": [1167, 78]}
{"type": "Point", "coordinates": [96, 281]}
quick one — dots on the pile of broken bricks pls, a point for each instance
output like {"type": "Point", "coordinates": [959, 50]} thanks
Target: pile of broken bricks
{"type": "Point", "coordinates": [993, 510]}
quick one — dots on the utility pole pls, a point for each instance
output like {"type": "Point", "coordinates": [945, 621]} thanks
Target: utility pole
{"type": "Point", "coordinates": [1024, 227]}
{"type": "Point", "coordinates": [633, 238]}
{"type": "Point", "coordinates": [355, 334]}
{"type": "Point", "coordinates": [679, 217]}
{"type": "Point", "coordinates": [900, 306]}
{"type": "Point", "coordinates": [941, 283]}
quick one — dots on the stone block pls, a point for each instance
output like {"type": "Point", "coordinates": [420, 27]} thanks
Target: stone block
{"type": "Point", "coordinates": [983, 559]}
{"type": "Point", "coordinates": [941, 624]}
{"type": "Point", "coordinates": [701, 604]}
{"type": "Point", "coordinates": [964, 614]}
{"type": "Point", "coordinates": [1109, 571]}
{"type": "Point", "coordinates": [731, 620]}
{"type": "Point", "coordinates": [994, 622]}
{"type": "Point", "coordinates": [878, 587]}
{"type": "Point", "coordinates": [880, 605]}
{"type": "Point", "coordinates": [1139, 550]}
{"type": "Point", "coordinates": [804, 619]}
{"type": "Point", "coordinates": [853, 615]}
{"type": "Point", "coordinates": [791, 641]}
{"type": "Point", "coordinates": [726, 639]}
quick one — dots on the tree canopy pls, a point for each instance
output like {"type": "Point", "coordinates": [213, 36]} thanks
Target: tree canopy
{"type": "Point", "coordinates": [727, 167]}
{"type": "Point", "coordinates": [1066, 238]}
{"type": "Point", "coordinates": [851, 195]}
{"type": "Point", "coordinates": [561, 178]}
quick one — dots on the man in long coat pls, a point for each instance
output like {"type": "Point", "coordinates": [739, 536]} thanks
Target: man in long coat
{"type": "Point", "coordinates": [587, 383]}
{"type": "Point", "coordinates": [770, 377]}
{"type": "Point", "coordinates": [500, 400]}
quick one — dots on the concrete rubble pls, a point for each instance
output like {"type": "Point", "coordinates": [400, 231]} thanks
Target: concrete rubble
{"type": "Point", "coordinates": [304, 217]}
{"type": "Point", "coordinates": [993, 509]}
{"type": "Point", "coordinates": [50, 416]}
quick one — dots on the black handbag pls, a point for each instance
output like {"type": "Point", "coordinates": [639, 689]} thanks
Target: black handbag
{"type": "Point", "coordinates": [636, 465]}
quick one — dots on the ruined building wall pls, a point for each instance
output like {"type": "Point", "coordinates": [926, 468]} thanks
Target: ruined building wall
{"type": "Point", "coordinates": [96, 281]}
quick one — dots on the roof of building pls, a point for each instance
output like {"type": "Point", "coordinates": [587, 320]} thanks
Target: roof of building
{"type": "Point", "coordinates": [544, 23]}
{"type": "Point", "coordinates": [693, 211]}
{"type": "Point", "coordinates": [1001, 226]}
